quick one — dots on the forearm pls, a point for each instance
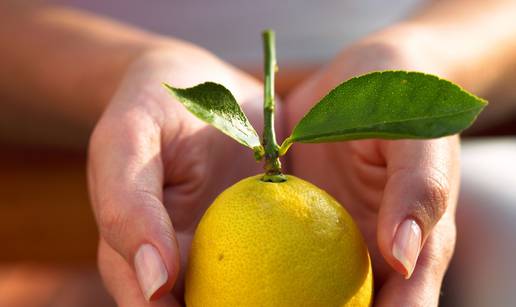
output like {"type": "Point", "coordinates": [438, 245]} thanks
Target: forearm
{"type": "Point", "coordinates": [476, 39]}
{"type": "Point", "coordinates": [471, 42]}
{"type": "Point", "coordinates": [59, 68]}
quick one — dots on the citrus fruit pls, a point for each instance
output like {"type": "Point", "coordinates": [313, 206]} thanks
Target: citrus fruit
{"type": "Point", "coordinates": [277, 244]}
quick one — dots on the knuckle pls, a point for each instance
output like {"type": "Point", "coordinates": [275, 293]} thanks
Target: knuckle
{"type": "Point", "coordinates": [432, 199]}
{"type": "Point", "coordinates": [141, 210]}
{"type": "Point", "coordinates": [112, 223]}
{"type": "Point", "coordinates": [437, 191]}
{"type": "Point", "coordinates": [151, 207]}
{"type": "Point", "coordinates": [431, 192]}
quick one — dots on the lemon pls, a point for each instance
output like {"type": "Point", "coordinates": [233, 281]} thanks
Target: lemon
{"type": "Point", "coordinates": [277, 244]}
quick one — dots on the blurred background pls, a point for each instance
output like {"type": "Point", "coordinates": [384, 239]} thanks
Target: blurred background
{"type": "Point", "coordinates": [47, 231]}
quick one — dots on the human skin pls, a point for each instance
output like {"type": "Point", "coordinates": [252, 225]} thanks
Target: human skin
{"type": "Point", "coordinates": [390, 182]}
{"type": "Point", "coordinates": [153, 168]}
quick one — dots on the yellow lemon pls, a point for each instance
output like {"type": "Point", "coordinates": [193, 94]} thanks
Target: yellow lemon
{"type": "Point", "coordinates": [277, 244]}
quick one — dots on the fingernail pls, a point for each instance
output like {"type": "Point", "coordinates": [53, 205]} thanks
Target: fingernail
{"type": "Point", "coordinates": [150, 270]}
{"type": "Point", "coordinates": [407, 244]}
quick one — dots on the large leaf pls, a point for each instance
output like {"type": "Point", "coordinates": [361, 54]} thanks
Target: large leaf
{"type": "Point", "coordinates": [214, 104]}
{"type": "Point", "coordinates": [388, 105]}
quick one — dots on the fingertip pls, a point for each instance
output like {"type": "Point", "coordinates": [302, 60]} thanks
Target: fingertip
{"type": "Point", "coordinates": [408, 213]}
{"type": "Point", "coordinates": [150, 268]}
{"type": "Point", "coordinates": [154, 276]}
{"type": "Point", "coordinates": [400, 243]}
{"type": "Point", "coordinates": [406, 246]}
{"type": "Point", "coordinates": [121, 282]}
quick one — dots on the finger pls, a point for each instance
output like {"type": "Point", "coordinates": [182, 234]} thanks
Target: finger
{"type": "Point", "coordinates": [422, 181]}
{"type": "Point", "coordinates": [120, 281]}
{"type": "Point", "coordinates": [126, 187]}
{"type": "Point", "coordinates": [423, 288]}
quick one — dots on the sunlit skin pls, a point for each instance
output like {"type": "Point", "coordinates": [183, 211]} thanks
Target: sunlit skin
{"type": "Point", "coordinates": [153, 165]}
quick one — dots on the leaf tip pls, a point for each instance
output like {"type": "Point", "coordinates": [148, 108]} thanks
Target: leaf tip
{"type": "Point", "coordinates": [169, 88]}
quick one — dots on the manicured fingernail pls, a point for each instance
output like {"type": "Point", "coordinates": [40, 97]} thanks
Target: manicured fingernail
{"type": "Point", "coordinates": [150, 270]}
{"type": "Point", "coordinates": [407, 244]}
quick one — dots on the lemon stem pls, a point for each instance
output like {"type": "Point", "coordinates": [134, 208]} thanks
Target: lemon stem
{"type": "Point", "coordinates": [272, 162]}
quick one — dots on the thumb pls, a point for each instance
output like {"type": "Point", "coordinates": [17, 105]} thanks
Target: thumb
{"type": "Point", "coordinates": [422, 184]}
{"type": "Point", "coordinates": [125, 175]}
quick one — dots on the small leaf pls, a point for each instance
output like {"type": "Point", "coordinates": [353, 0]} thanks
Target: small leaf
{"type": "Point", "coordinates": [214, 104]}
{"type": "Point", "coordinates": [388, 105]}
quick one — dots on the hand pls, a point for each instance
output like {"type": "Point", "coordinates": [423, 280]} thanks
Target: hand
{"type": "Point", "coordinates": [154, 168]}
{"type": "Point", "coordinates": [401, 193]}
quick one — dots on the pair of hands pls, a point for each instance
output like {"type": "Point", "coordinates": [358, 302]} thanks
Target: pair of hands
{"type": "Point", "coordinates": [154, 169]}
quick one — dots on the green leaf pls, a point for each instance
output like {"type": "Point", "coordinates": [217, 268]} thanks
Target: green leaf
{"type": "Point", "coordinates": [214, 104]}
{"type": "Point", "coordinates": [388, 105]}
